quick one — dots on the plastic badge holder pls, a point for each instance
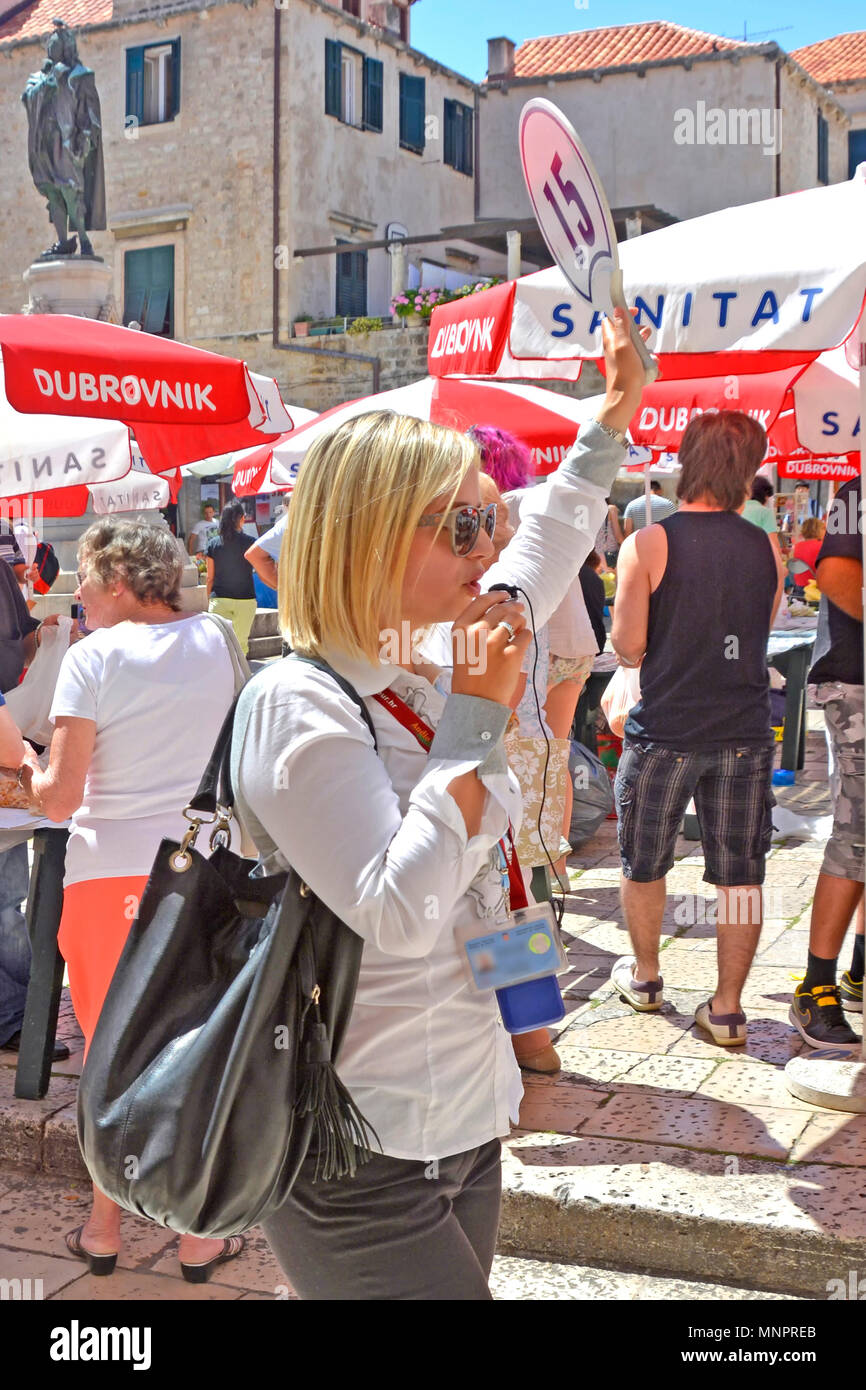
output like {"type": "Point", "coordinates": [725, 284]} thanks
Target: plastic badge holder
{"type": "Point", "coordinates": [534, 1004]}
{"type": "Point", "coordinates": [525, 947]}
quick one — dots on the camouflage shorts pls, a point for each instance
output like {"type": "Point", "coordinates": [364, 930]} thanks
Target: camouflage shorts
{"type": "Point", "coordinates": [843, 713]}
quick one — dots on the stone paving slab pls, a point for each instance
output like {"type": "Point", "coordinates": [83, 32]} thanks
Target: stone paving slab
{"type": "Point", "coordinates": [654, 1149]}
{"type": "Point", "coordinates": [256, 1275]}
{"type": "Point", "coordinates": [718, 1216]}
{"type": "Point", "coordinates": [697, 1155]}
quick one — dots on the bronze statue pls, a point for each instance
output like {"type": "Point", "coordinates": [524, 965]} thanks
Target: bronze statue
{"type": "Point", "coordinates": [65, 143]}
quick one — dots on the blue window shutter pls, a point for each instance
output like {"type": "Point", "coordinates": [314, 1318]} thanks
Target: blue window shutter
{"type": "Point", "coordinates": [412, 111]}
{"type": "Point", "coordinates": [175, 79]}
{"type": "Point", "coordinates": [333, 80]}
{"type": "Point", "coordinates": [856, 150]}
{"type": "Point", "coordinates": [135, 83]}
{"type": "Point", "coordinates": [449, 133]}
{"type": "Point", "coordinates": [373, 85]}
{"type": "Point", "coordinates": [823, 150]}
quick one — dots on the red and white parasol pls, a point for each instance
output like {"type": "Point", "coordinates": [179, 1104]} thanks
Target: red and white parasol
{"type": "Point", "coordinates": [545, 421]}
{"type": "Point", "coordinates": [182, 403]}
{"type": "Point", "coordinates": [752, 288]}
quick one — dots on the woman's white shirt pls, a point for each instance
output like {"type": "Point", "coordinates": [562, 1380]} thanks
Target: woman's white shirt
{"type": "Point", "coordinates": [381, 841]}
{"type": "Point", "coordinates": [158, 694]}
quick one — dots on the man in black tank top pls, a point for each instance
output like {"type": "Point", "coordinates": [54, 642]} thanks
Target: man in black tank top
{"type": "Point", "coordinates": [702, 725]}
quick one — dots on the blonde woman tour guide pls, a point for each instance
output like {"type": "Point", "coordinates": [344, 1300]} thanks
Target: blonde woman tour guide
{"type": "Point", "coordinates": [387, 536]}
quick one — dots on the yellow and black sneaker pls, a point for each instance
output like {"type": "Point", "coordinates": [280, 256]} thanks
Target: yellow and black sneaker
{"type": "Point", "coordinates": [817, 1016]}
{"type": "Point", "coordinates": [851, 993]}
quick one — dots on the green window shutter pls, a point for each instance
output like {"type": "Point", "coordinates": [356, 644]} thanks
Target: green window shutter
{"type": "Point", "coordinates": [333, 80]}
{"type": "Point", "coordinates": [174, 101]}
{"type": "Point", "coordinates": [449, 133]}
{"type": "Point", "coordinates": [149, 289]}
{"type": "Point", "coordinates": [135, 83]}
{"type": "Point", "coordinates": [468, 142]}
{"type": "Point", "coordinates": [373, 85]}
{"type": "Point", "coordinates": [412, 109]}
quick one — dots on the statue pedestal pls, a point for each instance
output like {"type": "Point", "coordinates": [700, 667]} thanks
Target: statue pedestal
{"type": "Point", "coordinates": [71, 285]}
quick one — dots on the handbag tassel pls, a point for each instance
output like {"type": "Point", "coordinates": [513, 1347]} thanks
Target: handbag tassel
{"type": "Point", "coordinates": [341, 1134]}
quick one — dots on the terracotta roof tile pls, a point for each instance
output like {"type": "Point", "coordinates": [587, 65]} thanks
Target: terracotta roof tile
{"type": "Point", "coordinates": [31, 20]}
{"type": "Point", "coordinates": [589, 49]}
{"type": "Point", "coordinates": [840, 59]}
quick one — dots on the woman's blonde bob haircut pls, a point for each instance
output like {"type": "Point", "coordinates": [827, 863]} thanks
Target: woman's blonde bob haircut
{"type": "Point", "coordinates": [361, 492]}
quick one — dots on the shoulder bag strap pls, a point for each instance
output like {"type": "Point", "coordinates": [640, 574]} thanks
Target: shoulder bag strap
{"type": "Point", "coordinates": [240, 668]}
{"type": "Point", "coordinates": [216, 784]}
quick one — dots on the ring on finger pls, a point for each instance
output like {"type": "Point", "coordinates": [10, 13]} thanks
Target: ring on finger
{"type": "Point", "coordinates": [508, 628]}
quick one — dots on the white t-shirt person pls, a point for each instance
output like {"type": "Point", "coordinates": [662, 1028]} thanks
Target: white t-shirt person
{"type": "Point", "coordinates": [158, 694]}
{"type": "Point", "coordinates": [204, 532]}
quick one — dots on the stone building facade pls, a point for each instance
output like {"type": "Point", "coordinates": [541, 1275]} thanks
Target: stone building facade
{"type": "Point", "coordinates": [678, 123]}
{"type": "Point", "coordinates": [235, 136]}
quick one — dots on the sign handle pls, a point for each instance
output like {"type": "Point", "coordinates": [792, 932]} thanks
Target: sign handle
{"type": "Point", "coordinates": [617, 299]}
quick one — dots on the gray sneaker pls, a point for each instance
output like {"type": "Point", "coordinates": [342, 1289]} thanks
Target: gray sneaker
{"type": "Point", "coordinates": [646, 996]}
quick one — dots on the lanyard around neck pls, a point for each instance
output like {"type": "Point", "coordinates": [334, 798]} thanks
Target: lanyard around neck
{"type": "Point", "coordinates": [421, 730]}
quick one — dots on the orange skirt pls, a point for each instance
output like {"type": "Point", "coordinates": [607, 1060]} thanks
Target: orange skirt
{"type": "Point", "coordinates": [97, 915]}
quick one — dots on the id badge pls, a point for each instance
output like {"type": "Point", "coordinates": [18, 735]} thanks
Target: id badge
{"type": "Point", "coordinates": [525, 946]}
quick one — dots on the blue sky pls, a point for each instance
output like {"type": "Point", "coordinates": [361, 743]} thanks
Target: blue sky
{"type": "Point", "coordinates": [456, 31]}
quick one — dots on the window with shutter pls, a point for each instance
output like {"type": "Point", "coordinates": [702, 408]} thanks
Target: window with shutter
{"type": "Point", "coordinates": [333, 79]}
{"type": "Point", "coordinates": [856, 150]}
{"type": "Point", "coordinates": [351, 296]}
{"type": "Point", "coordinates": [458, 150]}
{"type": "Point", "coordinates": [153, 82]}
{"type": "Point", "coordinates": [412, 110]}
{"type": "Point", "coordinates": [373, 88]}
{"type": "Point", "coordinates": [148, 289]}
{"type": "Point", "coordinates": [823, 150]}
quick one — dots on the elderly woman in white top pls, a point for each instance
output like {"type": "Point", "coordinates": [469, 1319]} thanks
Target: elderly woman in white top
{"type": "Point", "coordinates": [386, 536]}
{"type": "Point", "coordinates": [137, 709]}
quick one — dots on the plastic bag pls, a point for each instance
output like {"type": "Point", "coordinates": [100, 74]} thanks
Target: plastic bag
{"type": "Point", "coordinates": [621, 695]}
{"type": "Point", "coordinates": [593, 794]}
{"type": "Point", "coordinates": [30, 702]}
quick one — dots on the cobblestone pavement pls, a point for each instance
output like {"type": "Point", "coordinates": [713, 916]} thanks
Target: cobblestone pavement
{"type": "Point", "coordinates": [35, 1213]}
{"type": "Point", "coordinates": [654, 1149]}
{"type": "Point", "coordinates": [650, 1115]}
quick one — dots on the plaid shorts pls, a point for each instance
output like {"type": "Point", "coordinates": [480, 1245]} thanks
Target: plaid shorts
{"type": "Point", "coordinates": [733, 799]}
{"type": "Point", "coordinates": [843, 716]}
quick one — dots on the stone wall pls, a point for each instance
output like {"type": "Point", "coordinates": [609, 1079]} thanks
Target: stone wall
{"type": "Point", "coordinates": [318, 381]}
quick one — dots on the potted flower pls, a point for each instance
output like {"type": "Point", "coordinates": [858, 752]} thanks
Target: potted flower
{"type": "Point", "coordinates": [302, 325]}
{"type": "Point", "coordinates": [416, 306]}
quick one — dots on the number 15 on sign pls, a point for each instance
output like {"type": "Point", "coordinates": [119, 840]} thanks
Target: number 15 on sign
{"type": "Point", "coordinates": [572, 212]}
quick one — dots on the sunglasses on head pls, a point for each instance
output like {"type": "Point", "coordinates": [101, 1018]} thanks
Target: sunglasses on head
{"type": "Point", "coordinates": [464, 525]}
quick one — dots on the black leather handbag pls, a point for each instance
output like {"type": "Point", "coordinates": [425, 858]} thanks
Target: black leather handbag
{"type": "Point", "coordinates": [211, 1071]}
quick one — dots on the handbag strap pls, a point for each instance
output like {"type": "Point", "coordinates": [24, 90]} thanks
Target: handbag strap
{"type": "Point", "coordinates": [215, 787]}
{"type": "Point", "coordinates": [240, 669]}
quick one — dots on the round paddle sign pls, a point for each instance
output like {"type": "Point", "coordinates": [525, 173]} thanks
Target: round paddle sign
{"type": "Point", "coordinates": [572, 211]}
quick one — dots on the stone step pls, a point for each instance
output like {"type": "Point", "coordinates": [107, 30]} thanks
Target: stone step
{"type": "Point", "coordinates": [193, 598]}
{"type": "Point", "coordinates": [260, 648]}
{"type": "Point", "coordinates": [674, 1214]}
{"type": "Point", "coordinates": [266, 623]}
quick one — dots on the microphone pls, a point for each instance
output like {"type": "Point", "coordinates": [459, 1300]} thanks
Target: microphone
{"type": "Point", "coordinates": [508, 589]}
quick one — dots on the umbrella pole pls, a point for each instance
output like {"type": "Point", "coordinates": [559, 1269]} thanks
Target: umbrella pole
{"type": "Point", "coordinates": [647, 492]}
{"type": "Point", "coordinates": [837, 1083]}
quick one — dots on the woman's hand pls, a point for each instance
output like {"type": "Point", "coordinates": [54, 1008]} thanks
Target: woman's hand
{"type": "Point", "coordinates": [624, 372]}
{"type": "Point", "coordinates": [487, 657]}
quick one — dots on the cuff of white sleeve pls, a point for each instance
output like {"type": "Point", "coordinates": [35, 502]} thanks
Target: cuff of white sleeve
{"type": "Point", "coordinates": [595, 457]}
{"type": "Point", "coordinates": [471, 730]}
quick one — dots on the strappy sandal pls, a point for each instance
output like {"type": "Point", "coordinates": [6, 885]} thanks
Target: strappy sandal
{"type": "Point", "coordinates": [199, 1274]}
{"type": "Point", "coordinates": [97, 1264]}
